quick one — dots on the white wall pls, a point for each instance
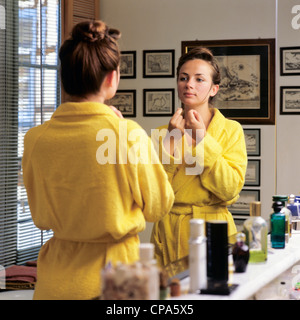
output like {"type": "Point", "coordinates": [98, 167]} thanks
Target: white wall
{"type": "Point", "coordinates": [288, 128]}
{"type": "Point", "coordinates": [163, 24]}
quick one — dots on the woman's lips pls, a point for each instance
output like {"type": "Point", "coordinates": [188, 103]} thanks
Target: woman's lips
{"type": "Point", "coordinates": [189, 94]}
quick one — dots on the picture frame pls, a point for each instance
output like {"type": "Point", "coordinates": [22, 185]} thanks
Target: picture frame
{"type": "Point", "coordinates": [247, 88]}
{"type": "Point", "coordinates": [290, 61]}
{"type": "Point", "coordinates": [253, 141]}
{"type": "Point", "coordinates": [128, 65]}
{"type": "Point", "coordinates": [239, 222]}
{"type": "Point", "coordinates": [124, 101]}
{"type": "Point", "coordinates": [158, 102]}
{"type": "Point", "coordinates": [242, 206]}
{"type": "Point", "coordinates": [158, 63]}
{"type": "Point", "coordinates": [252, 177]}
{"type": "Point", "coordinates": [290, 100]}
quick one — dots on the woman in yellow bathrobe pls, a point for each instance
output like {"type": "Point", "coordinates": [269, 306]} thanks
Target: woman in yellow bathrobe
{"type": "Point", "coordinates": [80, 182]}
{"type": "Point", "coordinates": [203, 187]}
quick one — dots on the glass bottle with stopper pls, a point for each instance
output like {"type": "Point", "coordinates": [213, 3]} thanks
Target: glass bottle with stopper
{"type": "Point", "coordinates": [240, 253]}
{"type": "Point", "coordinates": [278, 224]}
{"type": "Point", "coordinates": [256, 231]}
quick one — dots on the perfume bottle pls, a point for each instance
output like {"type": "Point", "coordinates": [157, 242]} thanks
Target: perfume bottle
{"type": "Point", "coordinates": [288, 216]}
{"type": "Point", "coordinates": [256, 231]}
{"type": "Point", "coordinates": [292, 206]}
{"type": "Point", "coordinates": [240, 253]}
{"type": "Point", "coordinates": [297, 202]}
{"type": "Point", "coordinates": [255, 209]}
{"type": "Point", "coordinates": [197, 255]}
{"type": "Point", "coordinates": [278, 226]}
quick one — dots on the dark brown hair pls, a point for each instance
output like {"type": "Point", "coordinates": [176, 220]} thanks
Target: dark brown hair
{"type": "Point", "coordinates": [87, 56]}
{"type": "Point", "coordinates": [202, 54]}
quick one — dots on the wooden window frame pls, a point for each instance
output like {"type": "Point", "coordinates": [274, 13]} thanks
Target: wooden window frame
{"type": "Point", "coordinates": [67, 16]}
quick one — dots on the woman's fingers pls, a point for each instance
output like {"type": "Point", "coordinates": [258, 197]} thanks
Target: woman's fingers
{"type": "Point", "coordinates": [177, 121]}
{"type": "Point", "coordinates": [195, 126]}
{"type": "Point", "coordinates": [116, 111]}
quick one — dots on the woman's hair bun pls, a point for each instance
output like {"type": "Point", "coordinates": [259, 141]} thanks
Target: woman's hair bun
{"type": "Point", "coordinates": [92, 31]}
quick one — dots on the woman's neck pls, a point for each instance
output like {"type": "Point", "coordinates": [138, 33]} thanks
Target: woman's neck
{"type": "Point", "coordinates": [88, 98]}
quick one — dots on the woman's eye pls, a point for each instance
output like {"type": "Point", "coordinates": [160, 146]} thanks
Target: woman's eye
{"type": "Point", "coordinates": [183, 79]}
{"type": "Point", "coordinates": [199, 80]}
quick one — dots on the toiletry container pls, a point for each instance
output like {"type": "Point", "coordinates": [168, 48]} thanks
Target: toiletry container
{"type": "Point", "coordinates": [197, 255]}
{"type": "Point", "coordinates": [240, 253]}
{"type": "Point", "coordinates": [256, 231]}
{"type": "Point", "coordinates": [217, 254]}
{"type": "Point", "coordinates": [278, 224]}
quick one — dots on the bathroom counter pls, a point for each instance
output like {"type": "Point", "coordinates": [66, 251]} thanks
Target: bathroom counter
{"type": "Point", "coordinates": [257, 275]}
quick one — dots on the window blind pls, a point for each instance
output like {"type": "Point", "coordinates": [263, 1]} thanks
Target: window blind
{"type": "Point", "coordinates": [31, 92]}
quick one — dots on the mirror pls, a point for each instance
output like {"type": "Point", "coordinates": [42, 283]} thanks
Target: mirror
{"type": "Point", "coordinates": [163, 25]}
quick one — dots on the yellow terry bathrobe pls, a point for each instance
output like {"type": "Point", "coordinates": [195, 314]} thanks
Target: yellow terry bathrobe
{"type": "Point", "coordinates": [207, 193]}
{"type": "Point", "coordinates": [95, 209]}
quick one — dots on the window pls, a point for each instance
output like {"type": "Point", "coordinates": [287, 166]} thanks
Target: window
{"type": "Point", "coordinates": [30, 33]}
{"type": "Point", "coordinates": [30, 93]}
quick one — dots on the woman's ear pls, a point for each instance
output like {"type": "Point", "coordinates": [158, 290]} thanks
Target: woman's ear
{"type": "Point", "coordinates": [111, 83]}
{"type": "Point", "coordinates": [112, 78]}
{"type": "Point", "coordinates": [214, 90]}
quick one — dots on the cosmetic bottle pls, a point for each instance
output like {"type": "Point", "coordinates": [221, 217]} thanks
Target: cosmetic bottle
{"type": "Point", "coordinates": [278, 226]}
{"type": "Point", "coordinates": [146, 251]}
{"type": "Point", "coordinates": [217, 256]}
{"type": "Point", "coordinates": [292, 205]}
{"type": "Point", "coordinates": [297, 202]}
{"type": "Point", "coordinates": [197, 256]}
{"type": "Point", "coordinates": [296, 214]}
{"type": "Point", "coordinates": [288, 216]}
{"type": "Point", "coordinates": [256, 231]}
{"type": "Point", "coordinates": [240, 253]}
{"type": "Point", "coordinates": [255, 209]}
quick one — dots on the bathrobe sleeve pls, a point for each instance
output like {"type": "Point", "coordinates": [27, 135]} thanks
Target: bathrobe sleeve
{"type": "Point", "coordinates": [170, 163]}
{"type": "Point", "coordinates": [225, 163]}
{"type": "Point", "coordinates": [148, 180]}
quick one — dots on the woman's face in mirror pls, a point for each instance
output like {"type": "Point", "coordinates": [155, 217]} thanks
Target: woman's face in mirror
{"type": "Point", "coordinates": [194, 84]}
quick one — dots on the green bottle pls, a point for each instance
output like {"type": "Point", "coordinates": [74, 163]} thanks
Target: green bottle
{"type": "Point", "coordinates": [278, 226]}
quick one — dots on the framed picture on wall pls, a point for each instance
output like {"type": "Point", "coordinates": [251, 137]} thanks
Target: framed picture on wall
{"type": "Point", "coordinates": [252, 139]}
{"type": "Point", "coordinates": [128, 65]}
{"type": "Point", "coordinates": [239, 222]}
{"type": "Point", "coordinates": [158, 63]}
{"type": "Point", "coordinates": [290, 61]}
{"type": "Point", "coordinates": [290, 100]}
{"type": "Point", "coordinates": [242, 206]}
{"type": "Point", "coordinates": [247, 88]}
{"type": "Point", "coordinates": [125, 101]}
{"type": "Point", "coordinates": [158, 102]}
{"type": "Point", "coordinates": [253, 173]}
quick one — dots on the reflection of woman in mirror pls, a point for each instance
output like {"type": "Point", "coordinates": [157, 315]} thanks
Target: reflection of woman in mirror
{"type": "Point", "coordinates": [96, 209]}
{"type": "Point", "coordinates": [204, 195]}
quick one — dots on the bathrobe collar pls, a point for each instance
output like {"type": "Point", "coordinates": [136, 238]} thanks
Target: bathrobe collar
{"type": "Point", "coordinates": [217, 124]}
{"type": "Point", "coordinates": [82, 109]}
